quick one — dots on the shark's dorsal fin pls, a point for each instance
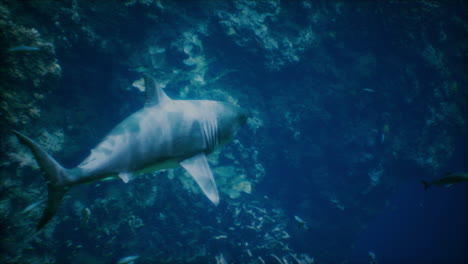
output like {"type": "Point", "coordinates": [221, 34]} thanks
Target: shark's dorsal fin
{"type": "Point", "coordinates": [154, 92]}
{"type": "Point", "coordinates": [197, 166]}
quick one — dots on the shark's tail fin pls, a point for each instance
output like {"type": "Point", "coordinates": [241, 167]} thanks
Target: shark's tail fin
{"type": "Point", "coordinates": [426, 184]}
{"type": "Point", "coordinates": [56, 176]}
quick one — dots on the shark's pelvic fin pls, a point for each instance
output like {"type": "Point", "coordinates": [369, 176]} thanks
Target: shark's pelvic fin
{"type": "Point", "coordinates": [198, 167]}
{"type": "Point", "coordinates": [125, 176]}
{"type": "Point", "coordinates": [57, 178]}
{"type": "Point", "coordinates": [154, 93]}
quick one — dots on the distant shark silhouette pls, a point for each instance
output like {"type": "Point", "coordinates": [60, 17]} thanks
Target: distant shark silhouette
{"type": "Point", "coordinates": [164, 134]}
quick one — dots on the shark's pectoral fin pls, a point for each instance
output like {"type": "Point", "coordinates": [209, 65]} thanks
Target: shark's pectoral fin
{"type": "Point", "coordinates": [198, 167]}
{"type": "Point", "coordinates": [125, 176]}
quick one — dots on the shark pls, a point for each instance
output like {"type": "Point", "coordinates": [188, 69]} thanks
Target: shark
{"type": "Point", "coordinates": [164, 134]}
{"type": "Point", "coordinates": [447, 180]}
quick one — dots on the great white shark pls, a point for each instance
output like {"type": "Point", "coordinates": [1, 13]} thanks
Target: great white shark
{"type": "Point", "coordinates": [164, 134]}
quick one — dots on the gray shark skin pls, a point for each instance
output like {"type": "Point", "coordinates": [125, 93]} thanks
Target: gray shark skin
{"type": "Point", "coordinates": [164, 134]}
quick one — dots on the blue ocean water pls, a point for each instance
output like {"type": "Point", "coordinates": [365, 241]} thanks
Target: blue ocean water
{"type": "Point", "coordinates": [351, 105]}
{"type": "Point", "coordinates": [423, 228]}
{"type": "Point", "coordinates": [420, 226]}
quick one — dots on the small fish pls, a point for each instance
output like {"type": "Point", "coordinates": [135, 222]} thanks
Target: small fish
{"type": "Point", "coordinates": [300, 223]}
{"type": "Point", "coordinates": [127, 260]}
{"type": "Point", "coordinates": [32, 206]}
{"type": "Point", "coordinates": [220, 237]}
{"type": "Point", "coordinates": [23, 49]}
{"type": "Point", "coordinates": [448, 179]}
{"type": "Point", "coordinates": [85, 214]}
{"type": "Point", "coordinates": [368, 90]}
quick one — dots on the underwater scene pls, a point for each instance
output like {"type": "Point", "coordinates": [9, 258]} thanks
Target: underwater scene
{"type": "Point", "coordinates": [233, 131]}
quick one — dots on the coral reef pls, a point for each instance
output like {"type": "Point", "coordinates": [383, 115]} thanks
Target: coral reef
{"type": "Point", "coordinates": [337, 122]}
{"type": "Point", "coordinates": [28, 61]}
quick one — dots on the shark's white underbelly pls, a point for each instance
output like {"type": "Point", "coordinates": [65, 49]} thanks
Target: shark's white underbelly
{"type": "Point", "coordinates": [149, 140]}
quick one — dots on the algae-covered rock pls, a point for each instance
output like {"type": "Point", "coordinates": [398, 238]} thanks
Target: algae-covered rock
{"type": "Point", "coordinates": [29, 70]}
{"type": "Point", "coordinates": [231, 181]}
{"type": "Point", "coordinates": [240, 185]}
